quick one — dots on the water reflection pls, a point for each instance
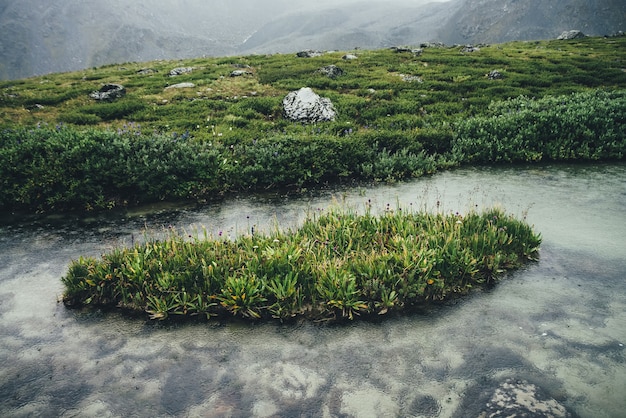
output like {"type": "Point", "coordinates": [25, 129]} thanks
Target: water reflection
{"type": "Point", "coordinates": [553, 332]}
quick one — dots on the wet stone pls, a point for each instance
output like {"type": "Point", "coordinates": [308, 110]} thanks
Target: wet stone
{"type": "Point", "coordinates": [519, 398]}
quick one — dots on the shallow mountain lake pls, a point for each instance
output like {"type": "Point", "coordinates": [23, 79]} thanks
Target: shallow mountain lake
{"type": "Point", "coordinates": [551, 334]}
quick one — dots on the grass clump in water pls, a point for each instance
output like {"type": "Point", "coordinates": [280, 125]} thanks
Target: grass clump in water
{"type": "Point", "coordinates": [336, 265]}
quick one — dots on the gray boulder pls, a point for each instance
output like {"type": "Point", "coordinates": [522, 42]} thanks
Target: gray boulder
{"type": "Point", "coordinates": [306, 106]}
{"type": "Point", "coordinates": [494, 75]}
{"type": "Point", "coordinates": [404, 49]}
{"type": "Point", "coordinates": [180, 70]}
{"type": "Point", "coordinates": [331, 71]}
{"type": "Point", "coordinates": [349, 57]}
{"type": "Point", "coordinates": [181, 86]}
{"type": "Point", "coordinates": [411, 78]}
{"type": "Point", "coordinates": [147, 71]}
{"type": "Point", "coordinates": [239, 73]}
{"type": "Point", "coordinates": [432, 45]}
{"type": "Point", "coordinates": [309, 53]}
{"type": "Point", "coordinates": [571, 34]}
{"type": "Point", "coordinates": [470, 48]}
{"type": "Point", "coordinates": [108, 92]}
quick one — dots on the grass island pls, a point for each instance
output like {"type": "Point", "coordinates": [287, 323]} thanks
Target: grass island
{"type": "Point", "coordinates": [336, 265]}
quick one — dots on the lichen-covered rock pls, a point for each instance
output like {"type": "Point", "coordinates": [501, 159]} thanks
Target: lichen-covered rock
{"type": "Point", "coordinates": [470, 48]}
{"type": "Point", "coordinates": [494, 75]}
{"type": "Point", "coordinates": [331, 71]}
{"type": "Point", "coordinates": [305, 105]}
{"type": "Point", "coordinates": [147, 71]}
{"type": "Point", "coordinates": [239, 73]}
{"type": "Point", "coordinates": [404, 49]}
{"type": "Point", "coordinates": [181, 86]}
{"type": "Point", "coordinates": [109, 92]}
{"type": "Point", "coordinates": [309, 53]}
{"type": "Point", "coordinates": [571, 34]}
{"type": "Point", "coordinates": [180, 70]}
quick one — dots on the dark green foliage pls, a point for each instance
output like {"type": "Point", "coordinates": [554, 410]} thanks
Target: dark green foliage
{"type": "Point", "coordinates": [582, 126]}
{"type": "Point", "coordinates": [119, 109]}
{"type": "Point", "coordinates": [336, 265]}
{"type": "Point", "coordinates": [59, 169]}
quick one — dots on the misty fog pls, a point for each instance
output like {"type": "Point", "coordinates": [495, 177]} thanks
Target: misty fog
{"type": "Point", "coordinates": [43, 36]}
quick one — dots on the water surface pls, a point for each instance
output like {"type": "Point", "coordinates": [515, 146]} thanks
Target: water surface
{"type": "Point", "coordinates": [558, 325]}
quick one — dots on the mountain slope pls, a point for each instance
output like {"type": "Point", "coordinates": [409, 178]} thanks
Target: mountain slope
{"type": "Point", "coordinates": [42, 36]}
{"type": "Point", "coordinates": [494, 21]}
{"type": "Point", "coordinates": [371, 25]}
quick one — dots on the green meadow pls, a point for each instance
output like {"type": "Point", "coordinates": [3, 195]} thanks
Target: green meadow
{"type": "Point", "coordinates": [399, 116]}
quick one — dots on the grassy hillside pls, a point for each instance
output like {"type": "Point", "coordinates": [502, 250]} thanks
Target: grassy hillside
{"type": "Point", "coordinates": [400, 115]}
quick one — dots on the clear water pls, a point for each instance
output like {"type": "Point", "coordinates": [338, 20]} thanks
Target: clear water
{"type": "Point", "coordinates": [559, 324]}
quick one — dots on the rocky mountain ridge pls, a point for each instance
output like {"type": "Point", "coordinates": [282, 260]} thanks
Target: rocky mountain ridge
{"type": "Point", "coordinates": [42, 36]}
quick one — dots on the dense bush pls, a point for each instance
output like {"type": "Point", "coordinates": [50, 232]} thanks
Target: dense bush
{"type": "Point", "coordinates": [59, 169]}
{"type": "Point", "coordinates": [581, 126]}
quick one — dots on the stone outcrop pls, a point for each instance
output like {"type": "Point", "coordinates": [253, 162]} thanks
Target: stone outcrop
{"type": "Point", "coordinates": [470, 48]}
{"type": "Point", "coordinates": [405, 49]}
{"type": "Point", "coordinates": [306, 106]}
{"type": "Point", "coordinates": [432, 45]}
{"type": "Point", "coordinates": [309, 53]}
{"type": "Point", "coordinates": [411, 78]}
{"type": "Point", "coordinates": [181, 86]}
{"type": "Point", "coordinates": [571, 34]}
{"type": "Point", "coordinates": [239, 73]}
{"type": "Point", "coordinates": [331, 71]}
{"type": "Point", "coordinates": [180, 70]}
{"type": "Point", "coordinates": [494, 75]}
{"type": "Point", "coordinates": [147, 71]}
{"type": "Point", "coordinates": [108, 92]}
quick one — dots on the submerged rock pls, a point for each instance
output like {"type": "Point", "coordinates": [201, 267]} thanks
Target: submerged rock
{"type": "Point", "coordinates": [305, 105]}
{"type": "Point", "coordinates": [518, 398]}
{"type": "Point", "coordinates": [109, 92]}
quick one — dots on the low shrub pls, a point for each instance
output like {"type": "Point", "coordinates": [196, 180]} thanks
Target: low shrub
{"type": "Point", "coordinates": [581, 126]}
